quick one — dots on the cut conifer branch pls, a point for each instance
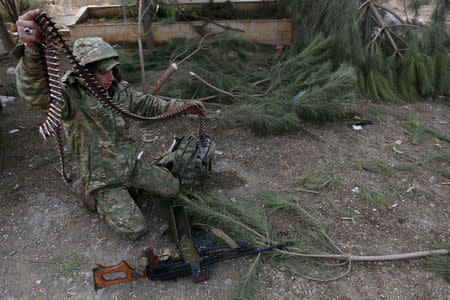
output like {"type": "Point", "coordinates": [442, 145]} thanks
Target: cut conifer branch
{"type": "Point", "coordinates": [185, 199]}
{"type": "Point", "coordinates": [162, 79]}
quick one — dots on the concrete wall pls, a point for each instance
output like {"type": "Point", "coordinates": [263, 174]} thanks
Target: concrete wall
{"type": "Point", "coordinates": [274, 32]}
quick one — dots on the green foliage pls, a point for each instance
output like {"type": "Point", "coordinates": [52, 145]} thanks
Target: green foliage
{"type": "Point", "coordinates": [229, 11]}
{"type": "Point", "coordinates": [415, 5]}
{"type": "Point", "coordinates": [304, 87]}
{"type": "Point", "coordinates": [340, 211]}
{"type": "Point", "coordinates": [437, 134]}
{"type": "Point", "coordinates": [435, 161]}
{"type": "Point", "coordinates": [423, 70]}
{"type": "Point", "coordinates": [374, 166]}
{"type": "Point", "coordinates": [415, 131]}
{"type": "Point", "coordinates": [327, 67]}
{"type": "Point", "coordinates": [171, 11]}
{"type": "Point", "coordinates": [315, 182]}
{"type": "Point", "coordinates": [154, 59]}
{"type": "Point", "coordinates": [376, 198]}
{"type": "Point", "coordinates": [65, 265]}
{"type": "Point", "coordinates": [243, 222]}
{"type": "Point", "coordinates": [247, 286]}
{"type": "Point", "coordinates": [404, 167]}
{"type": "Point", "coordinates": [440, 265]}
{"type": "Point", "coordinates": [322, 17]}
{"type": "Point", "coordinates": [445, 172]}
{"type": "Point", "coordinates": [440, 11]}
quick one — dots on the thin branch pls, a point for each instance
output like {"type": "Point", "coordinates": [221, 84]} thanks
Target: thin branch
{"type": "Point", "coordinates": [403, 25]}
{"type": "Point", "coordinates": [125, 20]}
{"type": "Point", "coordinates": [405, 11]}
{"type": "Point", "coordinates": [401, 39]}
{"type": "Point", "coordinates": [364, 5]}
{"type": "Point", "coordinates": [141, 54]}
{"type": "Point", "coordinates": [362, 13]}
{"type": "Point", "coordinates": [389, 11]}
{"type": "Point", "coordinates": [383, 27]}
{"type": "Point", "coordinates": [349, 257]}
{"type": "Point", "coordinates": [195, 51]}
{"type": "Point", "coordinates": [211, 86]}
{"type": "Point", "coordinates": [261, 81]}
{"type": "Point", "coordinates": [222, 91]}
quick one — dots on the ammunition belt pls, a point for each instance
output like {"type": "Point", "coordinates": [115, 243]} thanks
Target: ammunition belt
{"type": "Point", "coordinates": [50, 62]}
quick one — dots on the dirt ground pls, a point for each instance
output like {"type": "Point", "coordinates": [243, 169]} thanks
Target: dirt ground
{"type": "Point", "coordinates": [49, 244]}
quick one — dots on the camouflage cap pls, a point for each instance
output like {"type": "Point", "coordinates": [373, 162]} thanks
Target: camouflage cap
{"type": "Point", "coordinates": [88, 50]}
{"type": "Point", "coordinates": [107, 64]}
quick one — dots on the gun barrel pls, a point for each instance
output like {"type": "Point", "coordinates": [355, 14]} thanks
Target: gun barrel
{"type": "Point", "coordinates": [179, 269]}
{"type": "Point", "coordinates": [238, 252]}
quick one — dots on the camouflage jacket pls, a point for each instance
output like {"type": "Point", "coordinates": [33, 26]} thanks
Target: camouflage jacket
{"type": "Point", "coordinates": [103, 151]}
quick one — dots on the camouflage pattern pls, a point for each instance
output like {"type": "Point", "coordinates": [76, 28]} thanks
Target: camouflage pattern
{"type": "Point", "coordinates": [187, 161]}
{"type": "Point", "coordinates": [88, 50]}
{"type": "Point", "coordinates": [105, 155]}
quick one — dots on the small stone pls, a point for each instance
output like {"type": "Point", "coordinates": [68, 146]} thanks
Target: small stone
{"type": "Point", "coordinates": [6, 99]}
{"type": "Point", "coordinates": [38, 281]}
{"type": "Point", "coordinates": [355, 190]}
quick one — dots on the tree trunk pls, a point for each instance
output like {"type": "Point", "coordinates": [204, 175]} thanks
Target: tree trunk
{"type": "Point", "coordinates": [147, 25]}
{"type": "Point", "coordinates": [5, 38]}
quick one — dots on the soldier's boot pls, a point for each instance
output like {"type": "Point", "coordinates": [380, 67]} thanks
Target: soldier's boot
{"type": "Point", "coordinates": [78, 190]}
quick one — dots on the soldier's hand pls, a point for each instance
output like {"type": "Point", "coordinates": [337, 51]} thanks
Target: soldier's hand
{"type": "Point", "coordinates": [198, 109]}
{"type": "Point", "coordinates": [29, 31]}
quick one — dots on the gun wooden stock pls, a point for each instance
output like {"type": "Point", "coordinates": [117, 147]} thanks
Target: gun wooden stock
{"type": "Point", "coordinates": [123, 267]}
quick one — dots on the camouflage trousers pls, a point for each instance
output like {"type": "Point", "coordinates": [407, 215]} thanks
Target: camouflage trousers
{"type": "Point", "coordinates": [117, 207]}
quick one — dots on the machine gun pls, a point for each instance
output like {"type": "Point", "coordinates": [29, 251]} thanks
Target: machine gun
{"type": "Point", "coordinates": [172, 268]}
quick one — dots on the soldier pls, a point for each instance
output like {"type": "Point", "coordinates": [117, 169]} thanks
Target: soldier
{"type": "Point", "coordinates": [105, 156]}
